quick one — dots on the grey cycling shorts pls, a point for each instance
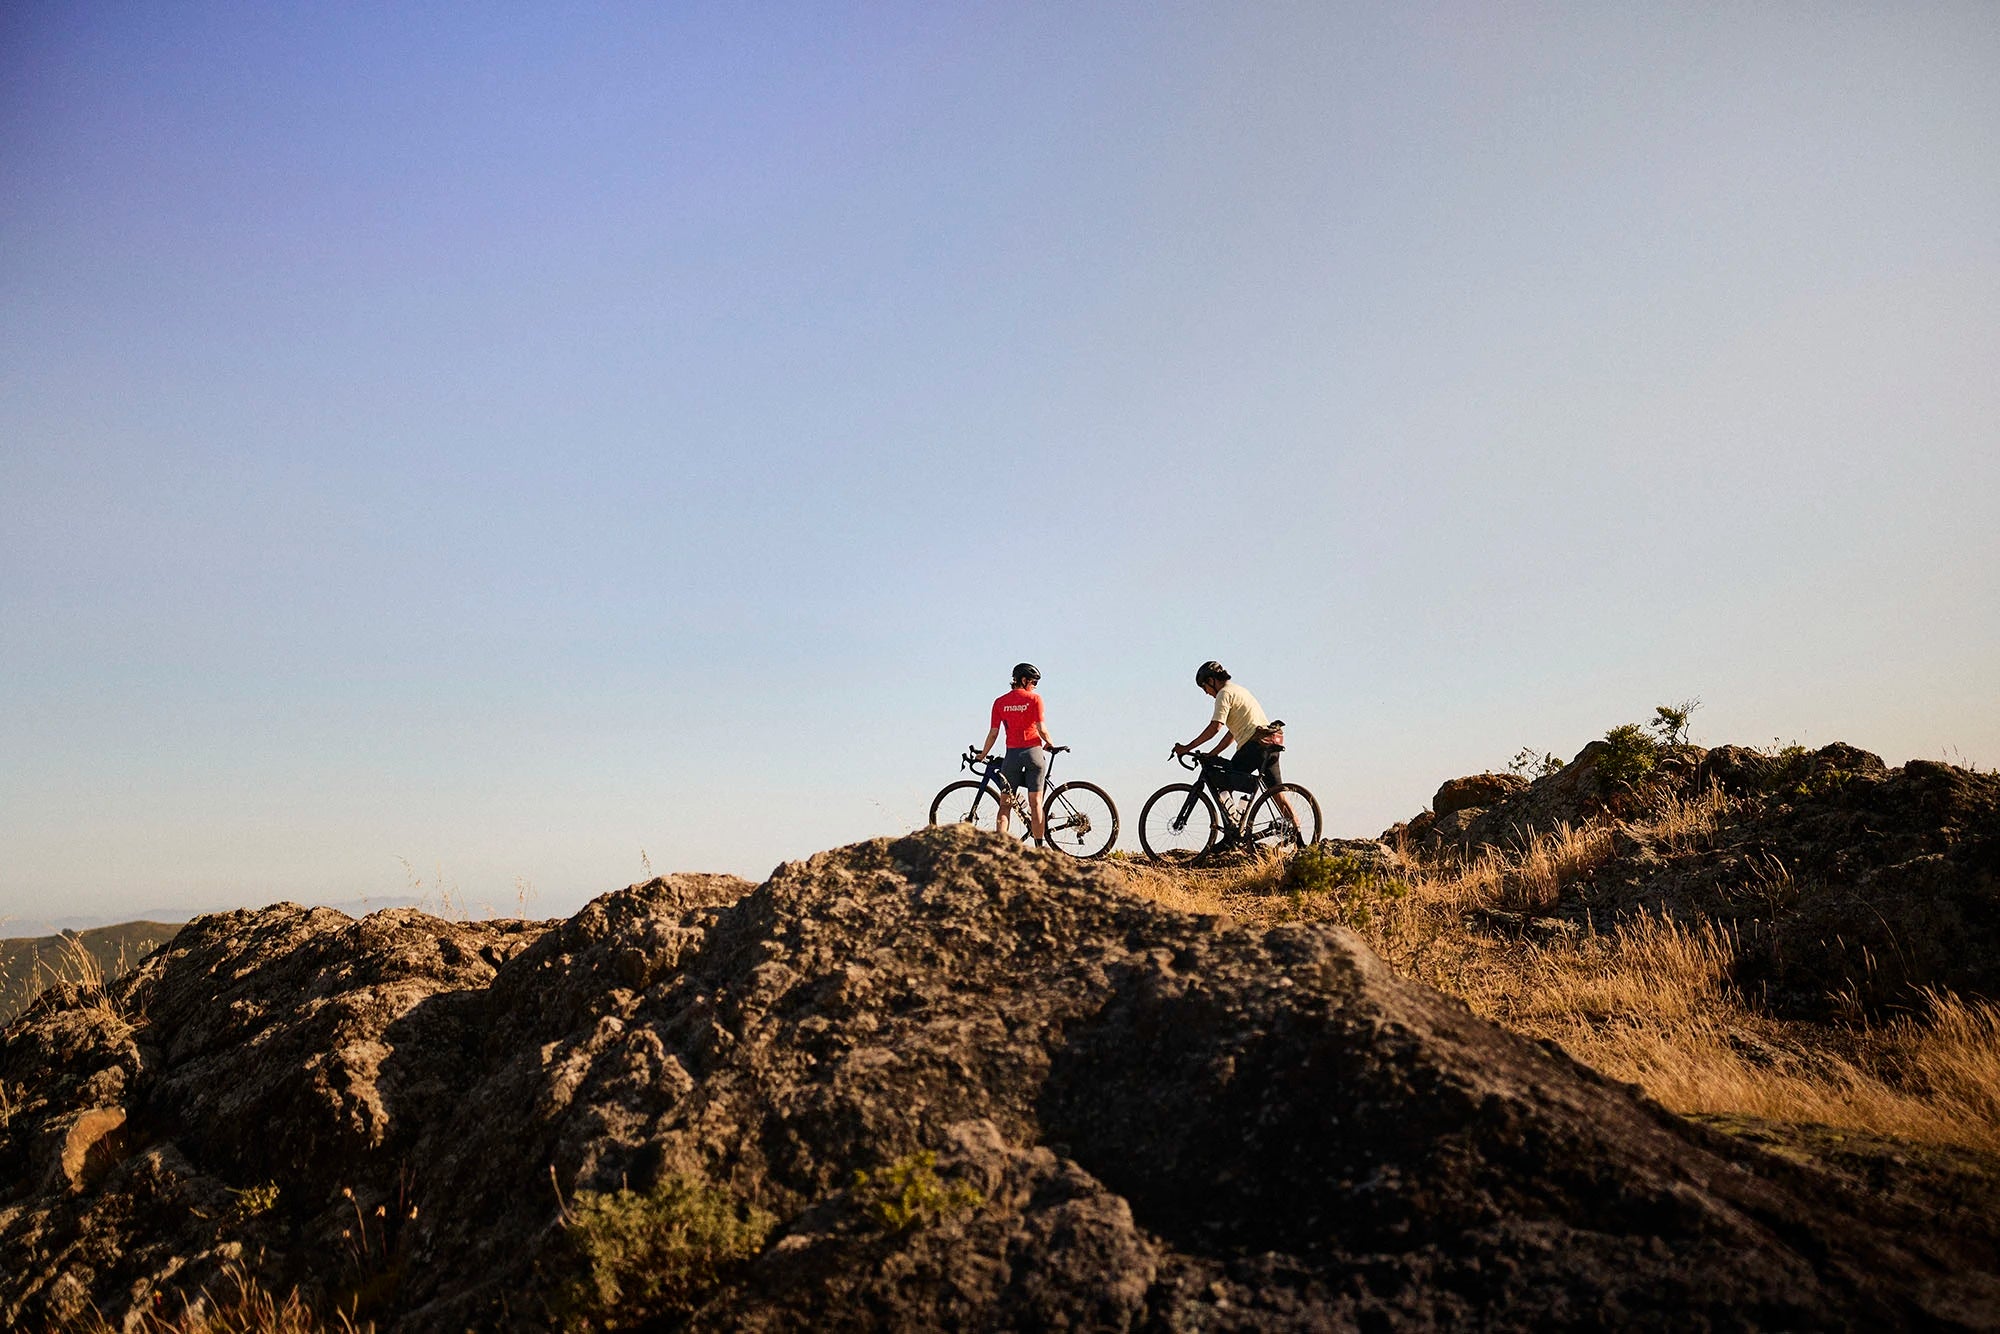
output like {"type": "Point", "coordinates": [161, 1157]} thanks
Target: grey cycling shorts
{"type": "Point", "coordinates": [1026, 768]}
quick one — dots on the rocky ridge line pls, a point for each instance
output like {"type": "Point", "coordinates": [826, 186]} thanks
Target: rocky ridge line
{"type": "Point", "coordinates": [1172, 1123]}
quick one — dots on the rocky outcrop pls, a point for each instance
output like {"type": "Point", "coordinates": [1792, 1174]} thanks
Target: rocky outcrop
{"type": "Point", "coordinates": [1846, 883]}
{"type": "Point", "coordinates": [1475, 791]}
{"type": "Point", "coordinates": [1504, 811]}
{"type": "Point", "coordinates": [1150, 1120]}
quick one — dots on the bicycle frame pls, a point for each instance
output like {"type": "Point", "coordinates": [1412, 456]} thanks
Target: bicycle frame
{"type": "Point", "coordinates": [992, 780]}
{"type": "Point", "coordinates": [1237, 814]}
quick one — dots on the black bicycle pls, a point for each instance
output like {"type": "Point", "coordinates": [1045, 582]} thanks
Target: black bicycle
{"type": "Point", "coordinates": [1080, 817]}
{"type": "Point", "coordinates": [1180, 821]}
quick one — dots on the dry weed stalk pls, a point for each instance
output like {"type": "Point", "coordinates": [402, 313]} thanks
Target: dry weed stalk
{"type": "Point", "coordinates": [452, 905]}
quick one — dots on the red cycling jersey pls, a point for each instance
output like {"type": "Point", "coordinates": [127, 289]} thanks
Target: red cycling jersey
{"type": "Point", "coordinates": [1021, 712]}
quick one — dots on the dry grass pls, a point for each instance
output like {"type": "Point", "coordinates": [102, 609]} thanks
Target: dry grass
{"type": "Point", "coordinates": [87, 962]}
{"type": "Point", "coordinates": [1207, 889]}
{"type": "Point", "coordinates": [77, 967]}
{"type": "Point", "coordinates": [1649, 1002]}
{"type": "Point", "coordinates": [245, 1307]}
{"type": "Point", "coordinates": [1682, 824]}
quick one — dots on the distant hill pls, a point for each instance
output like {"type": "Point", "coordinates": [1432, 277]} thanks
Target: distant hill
{"type": "Point", "coordinates": [17, 927]}
{"type": "Point", "coordinates": [30, 964]}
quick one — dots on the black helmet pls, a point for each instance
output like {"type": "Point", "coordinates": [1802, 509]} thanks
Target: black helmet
{"type": "Point", "coordinates": [1026, 671]}
{"type": "Point", "coordinates": [1209, 671]}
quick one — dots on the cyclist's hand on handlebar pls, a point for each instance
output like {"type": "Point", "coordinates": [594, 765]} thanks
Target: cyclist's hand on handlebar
{"type": "Point", "coordinates": [1058, 750]}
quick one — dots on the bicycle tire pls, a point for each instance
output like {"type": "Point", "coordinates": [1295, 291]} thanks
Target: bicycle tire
{"type": "Point", "coordinates": [964, 802]}
{"type": "Point", "coordinates": [1161, 840]}
{"type": "Point", "coordinates": [1076, 827]}
{"type": "Point", "coordinates": [1268, 826]}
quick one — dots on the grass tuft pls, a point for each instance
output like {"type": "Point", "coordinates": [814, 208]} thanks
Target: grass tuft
{"type": "Point", "coordinates": [245, 1306]}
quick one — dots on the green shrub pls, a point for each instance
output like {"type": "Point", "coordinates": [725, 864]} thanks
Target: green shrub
{"type": "Point", "coordinates": [1797, 773]}
{"type": "Point", "coordinates": [648, 1257]}
{"type": "Point", "coordinates": [1354, 885]}
{"type": "Point", "coordinates": [255, 1200]}
{"type": "Point", "coordinates": [1629, 762]}
{"type": "Point", "coordinates": [1670, 721]}
{"type": "Point", "coordinates": [909, 1193]}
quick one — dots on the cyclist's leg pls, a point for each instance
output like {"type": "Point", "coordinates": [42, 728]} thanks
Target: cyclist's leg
{"type": "Point", "coordinates": [1027, 769]}
{"type": "Point", "coordinates": [1274, 780]}
{"type": "Point", "coordinates": [1241, 765]}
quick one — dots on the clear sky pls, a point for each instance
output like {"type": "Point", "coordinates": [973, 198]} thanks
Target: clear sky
{"type": "Point", "coordinates": [512, 437]}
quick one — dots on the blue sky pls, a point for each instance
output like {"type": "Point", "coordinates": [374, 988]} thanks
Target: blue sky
{"type": "Point", "coordinates": [507, 438]}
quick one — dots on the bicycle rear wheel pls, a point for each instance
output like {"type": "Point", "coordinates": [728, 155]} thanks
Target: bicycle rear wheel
{"type": "Point", "coordinates": [967, 802]}
{"type": "Point", "coordinates": [1080, 820]}
{"type": "Point", "coordinates": [1177, 823]}
{"type": "Point", "coordinates": [1271, 827]}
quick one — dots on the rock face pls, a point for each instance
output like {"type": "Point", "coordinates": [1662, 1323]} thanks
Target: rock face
{"type": "Point", "coordinates": [1170, 1123]}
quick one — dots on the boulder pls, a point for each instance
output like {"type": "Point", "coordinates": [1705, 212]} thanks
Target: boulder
{"type": "Point", "coordinates": [1477, 790]}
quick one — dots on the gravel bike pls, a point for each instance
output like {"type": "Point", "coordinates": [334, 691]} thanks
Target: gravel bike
{"type": "Point", "coordinates": [1080, 817]}
{"type": "Point", "coordinates": [1180, 821]}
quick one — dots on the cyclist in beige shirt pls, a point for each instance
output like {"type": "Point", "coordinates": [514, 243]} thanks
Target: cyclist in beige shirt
{"type": "Point", "coordinates": [1258, 745]}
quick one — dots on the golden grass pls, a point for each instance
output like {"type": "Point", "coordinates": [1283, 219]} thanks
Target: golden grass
{"type": "Point", "coordinates": [87, 961]}
{"type": "Point", "coordinates": [74, 965]}
{"type": "Point", "coordinates": [1648, 1002]}
{"type": "Point", "coordinates": [245, 1307]}
{"type": "Point", "coordinates": [1683, 823]}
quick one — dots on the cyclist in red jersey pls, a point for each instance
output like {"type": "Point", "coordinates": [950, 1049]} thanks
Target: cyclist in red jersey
{"type": "Point", "coordinates": [1026, 763]}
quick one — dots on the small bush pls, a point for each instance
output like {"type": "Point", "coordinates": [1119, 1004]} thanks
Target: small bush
{"type": "Point", "coordinates": [1531, 764]}
{"type": "Point", "coordinates": [908, 1193]}
{"type": "Point", "coordinates": [1796, 773]}
{"type": "Point", "coordinates": [1356, 885]}
{"type": "Point", "coordinates": [1629, 762]}
{"type": "Point", "coordinates": [654, 1256]}
{"type": "Point", "coordinates": [1670, 721]}
{"type": "Point", "coordinates": [254, 1200]}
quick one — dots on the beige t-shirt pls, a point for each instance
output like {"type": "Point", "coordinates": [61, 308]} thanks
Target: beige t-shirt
{"type": "Point", "coordinates": [1238, 710]}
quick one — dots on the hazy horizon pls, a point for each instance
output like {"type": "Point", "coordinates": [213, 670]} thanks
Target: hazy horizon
{"type": "Point", "coordinates": [508, 442]}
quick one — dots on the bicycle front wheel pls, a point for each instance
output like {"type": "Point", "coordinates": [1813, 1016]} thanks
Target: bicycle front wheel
{"type": "Point", "coordinates": [1272, 826]}
{"type": "Point", "coordinates": [1178, 823]}
{"type": "Point", "coordinates": [967, 802]}
{"type": "Point", "coordinates": [1080, 820]}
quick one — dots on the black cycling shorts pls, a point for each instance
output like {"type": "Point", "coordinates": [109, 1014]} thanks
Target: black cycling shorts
{"type": "Point", "coordinates": [1258, 758]}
